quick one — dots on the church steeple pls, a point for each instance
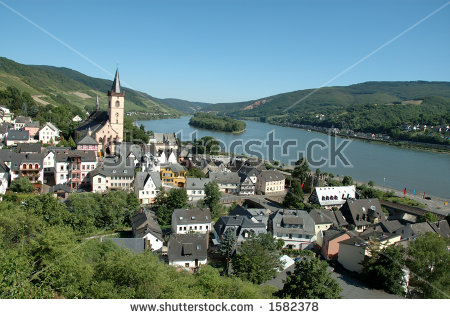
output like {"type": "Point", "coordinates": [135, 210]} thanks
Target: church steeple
{"type": "Point", "coordinates": [116, 84]}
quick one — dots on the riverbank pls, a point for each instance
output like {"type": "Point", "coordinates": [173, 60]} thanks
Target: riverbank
{"type": "Point", "coordinates": [437, 148]}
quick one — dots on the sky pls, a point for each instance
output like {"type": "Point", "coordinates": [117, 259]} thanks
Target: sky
{"type": "Point", "coordinates": [228, 50]}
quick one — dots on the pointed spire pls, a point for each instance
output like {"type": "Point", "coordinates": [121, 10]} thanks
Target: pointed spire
{"type": "Point", "coordinates": [116, 84]}
{"type": "Point", "coordinates": [97, 105]}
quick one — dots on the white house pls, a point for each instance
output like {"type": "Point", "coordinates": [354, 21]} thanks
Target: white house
{"type": "Point", "coordinates": [5, 115]}
{"type": "Point", "coordinates": [72, 167]}
{"type": "Point", "coordinates": [4, 178]}
{"type": "Point", "coordinates": [194, 220]}
{"type": "Point", "coordinates": [228, 182]}
{"type": "Point", "coordinates": [146, 186]}
{"type": "Point", "coordinates": [195, 188]}
{"type": "Point", "coordinates": [77, 118]}
{"type": "Point", "coordinates": [328, 197]}
{"type": "Point", "coordinates": [187, 250]}
{"type": "Point", "coordinates": [269, 182]}
{"type": "Point", "coordinates": [98, 181]}
{"type": "Point", "coordinates": [49, 134]}
{"type": "Point", "coordinates": [295, 227]}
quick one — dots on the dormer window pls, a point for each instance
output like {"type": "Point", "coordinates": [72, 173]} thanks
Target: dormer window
{"type": "Point", "coordinates": [114, 171]}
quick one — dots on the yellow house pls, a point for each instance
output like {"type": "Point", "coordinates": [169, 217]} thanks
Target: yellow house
{"type": "Point", "coordinates": [173, 175]}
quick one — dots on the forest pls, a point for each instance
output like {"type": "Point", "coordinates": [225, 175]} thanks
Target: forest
{"type": "Point", "coordinates": [217, 123]}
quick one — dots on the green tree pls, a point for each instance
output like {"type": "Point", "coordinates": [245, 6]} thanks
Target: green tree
{"type": "Point", "coordinates": [384, 268]}
{"type": "Point", "coordinates": [294, 197]}
{"type": "Point", "coordinates": [71, 143]}
{"type": "Point", "coordinates": [195, 172]}
{"type": "Point", "coordinates": [255, 262]}
{"type": "Point", "coordinates": [227, 247]}
{"type": "Point", "coordinates": [310, 280]}
{"type": "Point", "coordinates": [301, 170]}
{"type": "Point", "coordinates": [370, 183]}
{"type": "Point", "coordinates": [212, 198]}
{"type": "Point", "coordinates": [347, 180]}
{"type": "Point", "coordinates": [428, 217]}
{"type": "Point", "coordinates": [21, 185]}
{"type": "Point", "coordinates": [428, 260]}
{"type": "Point", "coordinates": [166, 203]}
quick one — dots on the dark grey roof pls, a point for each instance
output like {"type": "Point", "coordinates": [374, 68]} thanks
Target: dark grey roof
{"type": "Point", "coordinates": [258, 214]}
{"type": "Point", "coordinates": [86, 156]}
{"type": "Point", "coordinates": [22, 119]}
{"type": "Point", "coordinates": [116, 84]}
{"type": "Point", "coordinates": [87, 140]}
{"type": "Point", "coordinates": [359, 211]}
{"type": "Point", "coordinates": [5, 127]}
{"type": "Point", "coordinates": [331, 234]}
{"type": "Point", "coordinates": [29, 148]}
{"type": "Point", "coordinates": [293, 222]}
{"type": "Point", "coordinates": [193, 183]}
{"type": "Point", "coordinates": [241, 225]}
{"type": "Point", "coordinates": [340, 219]}
{"type": "Point", "coordinates": [61, 187]}
{"type": "Point", "coordinates": [94, 122]}
{"type": "Point", "coordinates": [136, 245]}
{"type": "Point", "coordinates": [119, 169]}
{"type": "Point", "coordinates": [22, 158]}
{"type": "Point", "coordinates": [187, 247]}
{"type": "Point", "coordinates": [175, 167]}
{"type": "Point", "coordinates": [17, 135]}
{"type": "Point", "coordinates": [225, 177]}
{"type": "Point", "coordinates": [191, 216]}
{"type": "Point", "coordinates": [32, 124]}
{"type": "Point", "coordinates": [248, 171]}
{"type": "Point", "coordinates": [442, 228]}
{"type": "Point", "coordinates": [3, 168]}
{"type": "Point", "coordinates": [145, 222]}
{"type": "Point", "coordinates": [391, 226]}
{"type": "Point", "coordinates": [269, 176]}
{"type": "Point", "coordinates": [363, 239]}
{"type": "Point", "coordinates": [414, 230]}
{"type": "Point", "coordinates": [323, 216]}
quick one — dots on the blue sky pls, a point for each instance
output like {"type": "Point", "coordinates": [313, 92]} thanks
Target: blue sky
{"type": "Point", "coordinates": [229, 50]}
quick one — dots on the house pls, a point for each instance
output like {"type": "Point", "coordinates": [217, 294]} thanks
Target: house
{"type": "Point", "coordinates": [166, 156]}
{"type": "Point", "coordinates": [61, 191]}
{"type": "Point", "coordinates": [362, 213]}
{"type": "Point", "coordinates": [20, 122]}
{"type": "Point", "coordinates": [4, 129]}
{"type": "Point", "coordinates": [87, 143]}
{"type": "Point", "coordinates": [412, 231]}
{"type": "Point", "coordinates": [441, 228]}
{"type": "Point", "coordinates": [5, 115]}
{"type": "Point", "coordinates": [249, 178]}
{"type": "Point", "coordinates": [195, 188]}
{"type": "Point", "coordinates": [145, 225]}
{"type": "Point", "coordinates": [150, 163]}
{"type": "Point", "coordinates": [72, 167]}
{"type": "Point", "coordinates": [330, 242]}
{"type": "Point", "coordinates": [173, 175]}
{"type": "Point", "coordinates": [163, 141]}
{"type": "Point", "coordinates": [33, 128]}
{"type": "Point", "coordinates": [242, 226]}
{"type": "Point", "coordinates": [112, 176]}
{"type": "Point", "coordinates": [269, 182]}
{"type": "Point", "coordinates": [323, 220]}
{"type": "Point", "coordinates": [4, 178]}
{"type": "Point", "coordinates": [352, 251]}
{"type": "Point", "coordinates": [77, 118]}
{"type": "Point", "coordinates": [29, 166]}
{"type": "Point", "coordinates": [295, 227]}
{"type": "Point", "coordinates": [257, 215]}
{"type": "Point", "coordinates": [14, 137]}
{"type": "Point", "coordinates": [146, 186]}
{"type": "Point", "coordinates": [328, 197]}
{"type": "Point", "coordinates": [228, 182]}
{"type": "Point", "coordinates": [193, 220]}
{"type": "Point", "coordinates": [187, 250]}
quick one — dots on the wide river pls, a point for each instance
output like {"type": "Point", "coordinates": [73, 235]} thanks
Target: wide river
{"type": "Point", "coordinates": [386, 165]}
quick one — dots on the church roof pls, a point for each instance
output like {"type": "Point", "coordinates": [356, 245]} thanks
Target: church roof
{"type": "Point", "coordinates": [87, 140]}
{"type": "Point", "coordinates": [116, 84]}
{"type": "Point", "coordinates": [94, 122]}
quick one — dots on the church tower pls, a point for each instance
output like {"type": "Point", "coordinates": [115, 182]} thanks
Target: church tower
{"type": "Point", "coordinates": [116, 107]}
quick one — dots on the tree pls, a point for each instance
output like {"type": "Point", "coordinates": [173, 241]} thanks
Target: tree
{"type": "Point", "coordinates": [195, 172]}
{"type": "Point", "coordinates": [294, 197]}
{"type": "Point", "coordinates": [21, 185]}
{"type": "Point", "coordinates": [256, 261]}
{"type": "Point", "coordinates": [428, 260]}
{"type": "Point", "coordinates": [384, 268]}
{"type": "Point", "coordinates": [310, 280]}
{"type": "Point", "coordinates": [301, 169]}
{"type": "Point", "coordinates": [166, 203]}
{"type": "Point", "coordinates": [212, 198]}
{"type": "Point", "coordinates": [347, 180]}
{"type": "Point", "coordinates": [428, 217]}
{"type": "Point", "coordinates": [227, 247]}
{"type": "Point", "coordinates": [371, 183]}
{"type": "Point", "coordinates": [71, 143]}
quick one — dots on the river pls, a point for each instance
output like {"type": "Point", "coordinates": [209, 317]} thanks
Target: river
{"type": "Point", "coordinates": [386, 165]}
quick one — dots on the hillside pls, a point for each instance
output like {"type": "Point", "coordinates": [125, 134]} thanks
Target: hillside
{"type": "Point", "coordinates": [57, 85]}
{"type": "Point", "coordinates": [184, 106]}
{"type": "Point", "coordinates": [329, 97]}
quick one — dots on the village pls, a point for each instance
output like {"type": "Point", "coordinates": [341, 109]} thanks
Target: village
{"type": "Point", "coordinates": [338, 224]}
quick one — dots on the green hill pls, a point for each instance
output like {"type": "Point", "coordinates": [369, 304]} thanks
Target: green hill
{"type": "Point", "coordinates": [298, 102]}
{"type": "Point", "coordinates": [184, 106]}
{"type": "Point", "coordinates": [56, 85]}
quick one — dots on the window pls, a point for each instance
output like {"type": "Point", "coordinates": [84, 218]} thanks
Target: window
{"type": "Point", "coordinates": [117, 105]}
{"type": "Point", "coordinates": [99, 180]}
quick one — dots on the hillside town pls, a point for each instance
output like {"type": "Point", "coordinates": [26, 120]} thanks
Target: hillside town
{"type": "Point", "coordinates": [338, 224]}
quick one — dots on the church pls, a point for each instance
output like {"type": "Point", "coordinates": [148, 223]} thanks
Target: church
{"type": "Point", "coordinates": [106, 127]}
